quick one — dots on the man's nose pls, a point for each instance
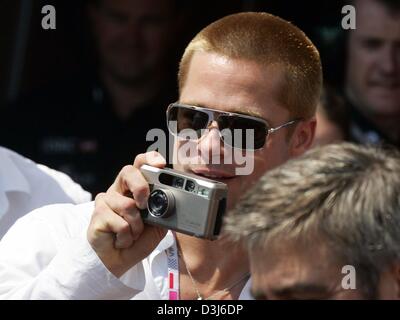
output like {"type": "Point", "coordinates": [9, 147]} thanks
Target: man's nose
{"type": "Point", "coordinates": [210, 144]}
{"type": "Point", "coordinates": [390, 60]}
{"type": "Point", "coordinates": [133, 32]}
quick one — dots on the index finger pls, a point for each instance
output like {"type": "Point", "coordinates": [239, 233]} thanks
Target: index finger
{"type": "Point", "coordinates": [130, 181]}
{"type": "Point", "coordinates": [152, 158]}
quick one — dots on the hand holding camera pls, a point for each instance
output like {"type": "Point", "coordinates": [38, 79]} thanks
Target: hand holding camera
{"type": "Point", "coordinates": [184, 202]}
{"type": "Point", "coordinates": [163, 199]}
{"type": "Point", "coordinates": [116, 231]}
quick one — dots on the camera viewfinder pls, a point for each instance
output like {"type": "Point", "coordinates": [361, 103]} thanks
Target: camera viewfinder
{"type": "Point", "coordinates": [178, 182]}
{"type": "Point", "coordinates": [190, 186]}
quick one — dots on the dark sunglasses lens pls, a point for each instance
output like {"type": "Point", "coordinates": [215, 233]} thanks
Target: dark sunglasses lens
{"type": "Point", "coordinates": [181, 118]}
{"type": "Point", "coordinates": [243, 133]}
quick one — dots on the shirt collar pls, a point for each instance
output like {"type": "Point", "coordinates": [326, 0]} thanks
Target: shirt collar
{"type": "Point", "coordinates": [165, 243]}
{"type": "Point", "coordinates": [169, 240]}
{"type": "Point", "coordinates": [363, 130]}
{"type": "Point", "coordinates": [11, 177]}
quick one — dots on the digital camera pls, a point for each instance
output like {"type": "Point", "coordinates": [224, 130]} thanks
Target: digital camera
{"type": "Point", "coordinates": [184, 202]}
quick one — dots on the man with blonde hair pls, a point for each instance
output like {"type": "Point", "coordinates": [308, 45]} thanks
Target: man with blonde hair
{"type": "Point", "coordinates": [247, 71]}
{"type": "Point", "coordinates": [325, 226]}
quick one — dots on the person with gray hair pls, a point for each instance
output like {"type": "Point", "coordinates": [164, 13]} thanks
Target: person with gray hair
{"type": "Point", "coordinates": [324, 226]}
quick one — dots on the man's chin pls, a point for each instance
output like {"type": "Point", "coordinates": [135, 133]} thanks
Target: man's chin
{"type": "Point", "coordinates": [383, 101]}
{"type": "Point", "coordinates": [385, 107]}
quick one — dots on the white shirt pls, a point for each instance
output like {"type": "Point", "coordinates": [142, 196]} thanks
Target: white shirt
{"type": "Point", "coordinates": [46, 255]}
{"type": "Point", "coordinates": [25, 186]}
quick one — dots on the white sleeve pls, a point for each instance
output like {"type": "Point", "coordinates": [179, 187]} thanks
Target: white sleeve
{"type": "Point", "coordinates": [70, 187]}
{"type": "Point", "coordinates": [37, 263]}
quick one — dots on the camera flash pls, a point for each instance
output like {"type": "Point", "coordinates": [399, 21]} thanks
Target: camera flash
{"type": "Point", "coordinates": [203, 192]}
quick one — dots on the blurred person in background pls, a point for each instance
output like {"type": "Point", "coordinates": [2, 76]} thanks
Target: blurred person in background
{"type": "Point", "coordinates": [324, 226]}
{"type": "Point", "coordinates": [372, 72]}
{"type": "Point", "coordinates": [90, 124]}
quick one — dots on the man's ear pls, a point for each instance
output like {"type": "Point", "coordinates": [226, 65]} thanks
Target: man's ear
{"type": "Point", "coordinates": [302, 137]}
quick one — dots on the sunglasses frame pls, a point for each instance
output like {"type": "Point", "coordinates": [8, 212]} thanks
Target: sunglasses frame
{"type": "Point", "coordinates": [214, 114]}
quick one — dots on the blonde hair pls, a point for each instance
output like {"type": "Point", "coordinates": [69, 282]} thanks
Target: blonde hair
{"type": "Point", "coordinates": [267, 40]}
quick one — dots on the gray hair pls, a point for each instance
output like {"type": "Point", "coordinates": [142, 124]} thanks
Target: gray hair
{"type": "Point", "coordinates": [347, 194]}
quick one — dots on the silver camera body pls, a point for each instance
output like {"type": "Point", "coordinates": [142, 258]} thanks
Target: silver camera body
{"type": "Point", "coordinates": [184, 202]}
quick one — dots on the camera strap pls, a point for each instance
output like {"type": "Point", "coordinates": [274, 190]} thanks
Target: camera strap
{"type": "Point", "coordinates": [173, 271]}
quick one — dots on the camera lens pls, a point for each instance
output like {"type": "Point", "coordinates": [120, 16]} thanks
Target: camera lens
{"type": "Point", "coordinates": [160, 203]}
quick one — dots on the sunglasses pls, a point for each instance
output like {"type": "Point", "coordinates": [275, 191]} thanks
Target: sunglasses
{"type": "Point", "coordinates": [232, 126]}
